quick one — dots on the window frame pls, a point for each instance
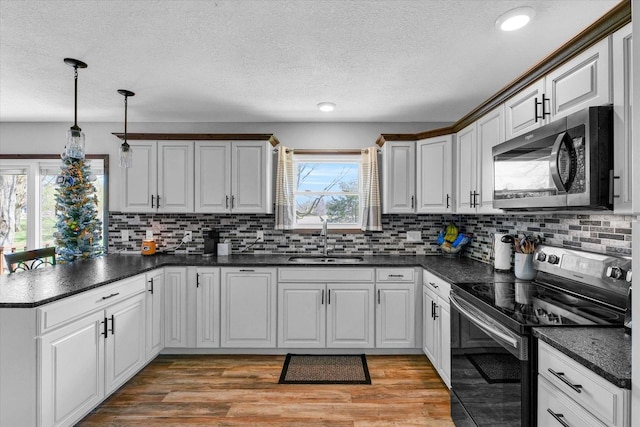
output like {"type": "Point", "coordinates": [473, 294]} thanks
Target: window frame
{"type": "Point", "coordinates": [33, 164]}
{"type": "Point", "coordinates": [329, 158]}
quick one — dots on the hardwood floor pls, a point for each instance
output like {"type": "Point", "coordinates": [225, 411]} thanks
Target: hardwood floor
{"type": "Point", "coordinates": [244, 391]}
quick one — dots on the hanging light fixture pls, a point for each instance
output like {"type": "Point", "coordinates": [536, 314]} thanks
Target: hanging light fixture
{"type": "Point", "coordinates": [126, 157]}
{"type": "Point", "coordinates": [75, 137]}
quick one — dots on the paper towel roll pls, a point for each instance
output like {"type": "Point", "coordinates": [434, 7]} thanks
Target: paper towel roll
{"type": "Point", "coordinates": [501, 253]}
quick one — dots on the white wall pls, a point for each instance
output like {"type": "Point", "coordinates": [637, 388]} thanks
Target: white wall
{"type": "Point", "coordinates": [49, 138]}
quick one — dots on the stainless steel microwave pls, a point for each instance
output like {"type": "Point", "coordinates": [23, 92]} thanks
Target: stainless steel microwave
{"type": "Point", "coordinates": [567, 164]}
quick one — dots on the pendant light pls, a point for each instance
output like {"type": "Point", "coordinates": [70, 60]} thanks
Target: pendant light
{"type": "Point", "coordinates": [75, 137]}
{"type": "Point", "coordinates": [126, 157]}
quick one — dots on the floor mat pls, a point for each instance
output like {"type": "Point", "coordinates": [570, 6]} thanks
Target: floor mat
{"type": "Point", "coordinates": [325, 369]}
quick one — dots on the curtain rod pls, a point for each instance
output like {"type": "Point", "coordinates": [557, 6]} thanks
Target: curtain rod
{"type": "Point", "coordinates": [324, 151]}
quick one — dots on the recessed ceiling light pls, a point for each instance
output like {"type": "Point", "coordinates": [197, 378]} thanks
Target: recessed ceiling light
{"type": "Point", "coordinates": [515, 18]}
{"type": "Point", "coordinates": [326, 106]}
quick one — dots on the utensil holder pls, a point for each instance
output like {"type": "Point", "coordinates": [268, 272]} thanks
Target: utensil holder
{"type": "Point", "coordinates": [523, 267]}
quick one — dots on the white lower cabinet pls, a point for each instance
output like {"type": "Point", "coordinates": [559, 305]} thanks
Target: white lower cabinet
{"type": "Point", "coordinates": [88, 357]}
{"type": "Point", "coordinates": [326, 307]}
{"type": "Point", "coordinates": [436, 328]}
{"type": "Point", "coordinates": [248, 307]}
{"type": "Point", "coordinates": [572, 393]}
{"type": "Point", "coordinates": [71, 368]}
{"type": "Point", "coordinates": [176, 307]}
{"type": "Point", "coordinates": [395, 308]}
{"type": "Point", "coordinates": [154, 314]}
{"type": "Point", "coordinates": [207, 307]}
{"type": "Point", "coordinates": [350, 315]}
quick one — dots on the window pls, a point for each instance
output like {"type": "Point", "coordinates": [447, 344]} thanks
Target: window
{"type": "Point", "coordinates": [27, 200]}
{"type": "Point", "coordinates": [328, 188]}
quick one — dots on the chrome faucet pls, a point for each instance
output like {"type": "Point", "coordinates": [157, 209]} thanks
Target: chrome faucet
{"type": "Point", "coordinates": [324, 234]}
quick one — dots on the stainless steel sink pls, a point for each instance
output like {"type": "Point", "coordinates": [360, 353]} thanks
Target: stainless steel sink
{"type": "Point", "coordinates": [326, 259]}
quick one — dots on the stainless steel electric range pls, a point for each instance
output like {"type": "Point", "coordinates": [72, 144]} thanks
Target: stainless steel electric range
{"type": "Point", "coordinates": [493, 363]}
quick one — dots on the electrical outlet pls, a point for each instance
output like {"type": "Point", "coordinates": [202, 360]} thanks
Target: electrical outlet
{"type": "Point", "coordinates": [260, 236]}
{"type": "Point", "coordinates": [148, 234]}
{"type": "Point", "coordinates": [187, 237]}
{"type": "Point", "coordinates": [124, 235]}
{"type": "Point", "coordinates": [414, 236]}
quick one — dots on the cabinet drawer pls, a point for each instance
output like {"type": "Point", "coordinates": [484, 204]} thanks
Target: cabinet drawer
{"type": "Point", "coordinates": [552, 401]}
{"type": "Point", "coordinates": [395, 274]}
{"type": "Point", "coordinates": [57, 313]}
{"type": "Point", "coordinates": [599, 396]}
{"type": "Point", "coordinates": [325, 275]}
{"type": "Point", "coordinates": [436, 284]}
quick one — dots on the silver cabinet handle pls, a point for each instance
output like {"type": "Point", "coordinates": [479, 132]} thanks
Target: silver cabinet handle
{"type": "Point", "coordinates": [247, 270]}
{"type": "Point", "coordinates": [560, 375]}
{"type": "Point", "coordinates": [233, 200]}
{"type": "Point", "coordinates": [158, 201]}
{"type": "Point", "coordinates": [226, 202]}
{"type": "Point", "coordinates": [104, 332]}
{"type": "Point", "coordinates": [434, 285]}
{"type": "Point", "coordinates": [396, 275]}
{"type": "Point", "coordinates": [329, 296]}
{"type": "Point", "coordinates": [151, 287]}
{"type": "Point", "coordinates": [113, 325]}
{"type": "Point", "coordinates": [448, 197]}
{"type": "Point", "coordinates": [197, 280]}
{"type": "Point", "coordinates": [322, 302]}
{"type": "Point", "coordinates": [558, 417]}
{"type": "Point", "coordinates": [111, 296]}
{"type": "Point", "coordinates": [152, 196]}
{"type": "Point", "coordinates": [378, 296]}
{"type": "Point", "coordinates": [412, 202]}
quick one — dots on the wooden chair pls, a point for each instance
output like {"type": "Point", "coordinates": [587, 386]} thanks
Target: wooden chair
{"type": "Point", "coordinates": [19, 261]}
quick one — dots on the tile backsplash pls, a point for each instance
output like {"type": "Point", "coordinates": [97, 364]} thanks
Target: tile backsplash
{"type": "Point", "coordinates": [596, 233]}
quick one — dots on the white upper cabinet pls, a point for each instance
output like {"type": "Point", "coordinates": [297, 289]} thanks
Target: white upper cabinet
{"type": "Point", "coordinates": [490, 133]}
{"type": "Point", "coordinates": [398, 177]}
{"type": "Point", "coordinates": [622, 120]}
{"type": "Point", "coordinates": [523, 111]}
{"type": "Point", "coordinates": [433, 175]}
{"type": "Point", "coordinates": [233, 177]}
{"type": "Point", "coordinates": [475, 163]}
{"type": "Point", "coordinates": [466, 169]}
{"type": "Point", "coordinates": [161, 178]}
{"type": "Point", "coordinates": [581, 82]}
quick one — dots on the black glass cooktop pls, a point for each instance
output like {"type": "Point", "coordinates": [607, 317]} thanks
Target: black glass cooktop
{"type": "Point", "coordinates": [532, 304]}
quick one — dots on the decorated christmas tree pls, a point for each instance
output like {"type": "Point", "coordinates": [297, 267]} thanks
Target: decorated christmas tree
{"type": "Point", "coordinates": [79, 230]}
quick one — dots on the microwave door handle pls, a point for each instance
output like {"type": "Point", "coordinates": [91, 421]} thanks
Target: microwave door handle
{"type": "Point", "coordinates": [553, 163]}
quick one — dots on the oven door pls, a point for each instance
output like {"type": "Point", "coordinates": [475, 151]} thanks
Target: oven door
{"type": "Point", "coordinates": [490, 370]}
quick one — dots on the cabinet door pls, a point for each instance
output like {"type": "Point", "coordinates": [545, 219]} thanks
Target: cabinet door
{"type": "Point", "coordinates": [251, 182]}
{"type": "Point", "coordinates": [248, 307]}
{"type": "Point", "coordinates": [433, 175]}
{"type": "Point", "coordinates": [301, 315]}
{"type": "Point", "coordinates": [520, 110]}
{"type": "Point", "coordinates": [466, 169]}
{"type": "Point", "coordinates": [71, 371]}
{"type": "Point", "coordinates": [395, 315]}
{"type": "Point", "coordinates": [208, 307]}
{"type": "Point", "coordinates": [490, 134]}
{"type": "Point", "coordinates": [176, 315]}
{"type": "Point", "coordinates": [125, 342]}
{"type": "Point", "coordinates": [444, 341]}
{"type": "Point", "coordinates": [398, 177]}
{"type": "Point", "coordinates": [429, 326]}
{"type": "Point", "coordinates": [552, 401]}
{"type": "Point", "coordinates": [154, 336]}
{"type": "Point", "coordinates": [213, 177]}
{"type": "Point", "coordinates": [350, 311]}
{"type": "Point", "coordinates": [140, 180]}
{"type": "Point", "coordinates": [622, 120]}
{"type": "Point", "coordinates": [582, 82]}
{"type": "Point", "coordinates": [175, 176]}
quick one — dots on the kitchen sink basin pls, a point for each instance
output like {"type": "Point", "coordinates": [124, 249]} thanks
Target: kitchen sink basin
{"type": "Point", "coordinates": [326, 259]}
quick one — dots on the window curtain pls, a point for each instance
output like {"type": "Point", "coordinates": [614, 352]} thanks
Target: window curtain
{"type": "Point", "coordinates": [285, 203]}
{"type": "Point", "coordinates": [371, 219]}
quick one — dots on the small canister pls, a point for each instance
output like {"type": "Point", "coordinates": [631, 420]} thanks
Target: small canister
{"type": "Point", "coordinates": [148, 247]}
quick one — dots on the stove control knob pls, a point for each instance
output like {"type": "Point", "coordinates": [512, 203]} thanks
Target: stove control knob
{"type": "Point", "coordinates": [553, 259]}
{"type": "Point", "coordinates": [628, 278]}
{"type": "Point", "coordinates": [615, 272]}
{"type": "Point", "coordinates": [541, 256]}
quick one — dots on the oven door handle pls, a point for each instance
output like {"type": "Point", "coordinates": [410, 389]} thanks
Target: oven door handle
{"type": "Point", "coordinates": [489, 329]}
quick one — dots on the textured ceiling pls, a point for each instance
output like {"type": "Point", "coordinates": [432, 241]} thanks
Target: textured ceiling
{"type": "Point", "coordinates": [268, 61]}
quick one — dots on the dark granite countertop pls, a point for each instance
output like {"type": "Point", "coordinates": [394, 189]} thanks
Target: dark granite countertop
{"type": "Point", "coordinates": [38, 287]}
{"type": "Point", "coordinates": [605, 351]}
